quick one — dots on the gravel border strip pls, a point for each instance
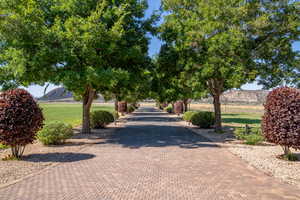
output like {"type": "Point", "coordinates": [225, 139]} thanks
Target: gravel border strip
{"type": "Point", "coordinates": [261, 157]}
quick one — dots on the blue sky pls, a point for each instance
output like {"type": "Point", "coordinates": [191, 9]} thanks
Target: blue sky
{"type": "Point", "coordinates": [154, 47]}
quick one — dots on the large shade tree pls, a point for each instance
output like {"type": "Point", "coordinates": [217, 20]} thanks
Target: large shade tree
{"type": "Point", "coordinates": [82, 45]}
{"type": "Point", "coordinates": [227, 43]}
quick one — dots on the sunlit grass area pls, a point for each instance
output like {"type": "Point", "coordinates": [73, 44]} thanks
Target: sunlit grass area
{"type": "Point", "coordinates": [236, 115]}
{"type": "Point", "coordinates": [68, 112]}
{"type": "Point", "coordinates": [241, 119]}
{"type": "Point", "coordinates": [2, 146]}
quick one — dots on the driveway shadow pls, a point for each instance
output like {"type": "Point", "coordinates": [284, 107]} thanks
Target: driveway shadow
{"type": "Point", "coordinates": [138, 136]}
{"type": "Point", "coordinates": [58, 157]}
{"type": "Point", "coordinates": [153, 119]}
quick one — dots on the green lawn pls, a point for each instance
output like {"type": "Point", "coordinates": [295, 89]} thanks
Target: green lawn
{"type": "Point", "coordinates": [67, 112]}
{"type": "Point", "coordinates": [236, 115]}
{"type": "Point", "coordinates": [241, 119]}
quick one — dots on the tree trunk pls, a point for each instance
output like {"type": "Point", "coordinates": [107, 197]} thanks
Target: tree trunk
{"type": "Point", "coordinates": [218, 118]}
{"type": "Point", "coordinates": [216, 88]}
{"type": "Point", "coordinates": [116, 105]}
{"type": "Point", "coordinates": [286, 150]}
{"type": "Point", "coordinates": [173, 106]}
{"type": "Point", "coordinates": [185, 105]}
{"type": "Point", "coordinates": [88, 98]}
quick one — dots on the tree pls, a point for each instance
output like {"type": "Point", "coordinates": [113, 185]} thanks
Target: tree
{"type": "Point", "coordinates": [78, 44]}
{"type": "Point", "coordinates": [229, 43]}
{"type": "Point", "coordinates": [20, 119]}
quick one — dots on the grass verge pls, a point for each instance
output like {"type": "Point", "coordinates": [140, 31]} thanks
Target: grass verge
{"type": "Point", "coordinates": [68, 112]}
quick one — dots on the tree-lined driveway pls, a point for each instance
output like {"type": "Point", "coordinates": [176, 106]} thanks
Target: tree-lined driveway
{"type": "Point", "coordinates": [151, 158]}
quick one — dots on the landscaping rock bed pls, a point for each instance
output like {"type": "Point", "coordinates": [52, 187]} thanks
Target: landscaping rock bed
{"type": "Point", "coordinates": [263, 157]}
{"type": "Point", "coordinates": [38, 157]}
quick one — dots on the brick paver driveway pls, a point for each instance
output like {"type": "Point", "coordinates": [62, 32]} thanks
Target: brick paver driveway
{"type": "Point", "coordinates": [152, 158]}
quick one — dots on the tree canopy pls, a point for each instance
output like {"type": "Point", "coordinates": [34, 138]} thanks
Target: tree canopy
{"type": "Point", "coordinates": [101, 46]}
{"type": "Point", "coordinates": [83, 45]}
{"type": "Point", "coordinates": [226, 44]}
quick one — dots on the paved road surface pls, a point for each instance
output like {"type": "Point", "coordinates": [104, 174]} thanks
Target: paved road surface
{"type": "Point", "coordinates": [151, 159]}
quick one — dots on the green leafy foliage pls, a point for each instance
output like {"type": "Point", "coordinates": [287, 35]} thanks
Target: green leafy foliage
{"type": "Point", "coordinates": [203, 119]}
{"type": "Point", "coordinates": [169, 109]}
{"type": "Point", "coordinates": [87, 46]}
{"type": "Point", "coordinates": [223, 44]}
{"type": "Point", "coordinates": [290, 157]}
{"type": "Point", "coordinates": [115, 115]}
{"type": "Point", "coordinates": [251, 136]}
{"type": "Point", "coordinates": [187, 116]}
{"type": "Point", "coordinates": [55, 133]}
{"type": "Point", "coordinates": [130, 108]}
{"type": "Point", "coordinates": [99, 119]}
{"type": "Point", "coordinates": [253, 139]}
{"type": "Point", "coordinates": [2, 146]}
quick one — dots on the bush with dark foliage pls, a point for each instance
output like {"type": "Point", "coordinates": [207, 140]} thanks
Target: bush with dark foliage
{"type": "Point", "coordinates": [100, 118]}
{"type": "Point", "coordinates": [20, 119]}
{"type": "Point", "coordinates": [203, 119]}
{"type": "Point", "coordinates": [281, 121]}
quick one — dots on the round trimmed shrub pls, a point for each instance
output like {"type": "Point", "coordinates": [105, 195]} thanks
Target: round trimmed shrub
{"type": "Point", "coordinates": [203, 119]}
{"type": "Point", "coordinates": [169, 109]}
{"type": "Point", "coordinates": [100, 118]}
{"type": "Point", "coordinates": [187, 116]}
{"type": "Point", "coordinates": [281, 120]}
{"type": "Point", "coordinates": [55, 133]}
{"type": "Point", "coordinates": [20, 119]}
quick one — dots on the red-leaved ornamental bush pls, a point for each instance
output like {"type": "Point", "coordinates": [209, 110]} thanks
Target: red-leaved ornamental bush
{"type": "Point", "coordinates": [122, 107]}
{"type": "Point", "coordinates": [20, 119]}
{"type": "Point", "coordinates": [281, 121]}
{"type": "Point", "coordinates": [178, 107]}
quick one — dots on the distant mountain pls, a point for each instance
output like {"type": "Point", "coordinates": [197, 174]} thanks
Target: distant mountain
{"type": "Point", "coordinates": [62, 95]}
{"type": "Point", "coordinates": [231, 96]}
{"type": "Point", "coordinates": [57, 94]}
{"type": "Point", "coordinates": [242, 97]}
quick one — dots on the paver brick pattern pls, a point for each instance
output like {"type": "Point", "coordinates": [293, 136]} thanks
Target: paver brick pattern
{"type": "Point", "coordinates": [151, 159]}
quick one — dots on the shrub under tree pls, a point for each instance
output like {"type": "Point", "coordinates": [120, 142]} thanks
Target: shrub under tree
{"type": "Point", "coordinates": [100, 119]}
{"type": "Point", "coordinates": [20, 119]}
{"type": "Point", "coordinates": [281, 121]}
{"type": "Point", "coordinates": [203, 119]}
{"type": "Point", "coordinates": [55, 133]}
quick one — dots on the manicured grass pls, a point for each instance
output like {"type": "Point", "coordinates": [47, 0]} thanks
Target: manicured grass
{"type": "Point", "coordinates": [241, 119]}
{"type": "Point", "coordinates": [68, 112]}
{"type": "Point", "coordinates": [236, 115]}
